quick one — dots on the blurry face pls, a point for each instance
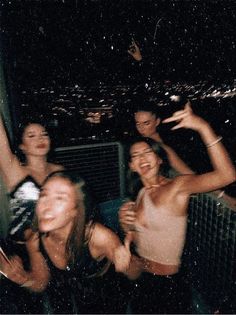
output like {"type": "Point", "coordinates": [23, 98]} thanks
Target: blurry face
{"type": "Point", "coordinates": [144, 160]}
{"type": "Point", "coordinates": [146, 123]}
{"type": "Point", "coordinates": [57, 205]}
{"type": "Point", "coordinates": [35, 140]}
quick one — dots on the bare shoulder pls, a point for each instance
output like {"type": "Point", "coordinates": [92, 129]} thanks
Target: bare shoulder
{"type": "Point", "coordinates": [101, 233]}
{"type": "Point", "coordinates": [180, 182]}
{"type": "Point", "coordinates": [101, 240]}
{"type": "Point", "coordinates": [56, 167]}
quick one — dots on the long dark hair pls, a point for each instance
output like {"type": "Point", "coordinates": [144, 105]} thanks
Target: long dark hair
{"type": "Point", "coordinates": [85, 213]}
{"type": "Point", "coordinates": [19, 135]}
{"type": "Point", "coordinates": [134, 181]}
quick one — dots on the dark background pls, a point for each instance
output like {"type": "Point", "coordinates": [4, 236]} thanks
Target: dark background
{"type": "Point", "coordinates": [87, 41]}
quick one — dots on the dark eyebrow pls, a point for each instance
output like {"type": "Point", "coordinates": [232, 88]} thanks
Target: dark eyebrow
{"type": "Point", "coordinates": [143, 122]}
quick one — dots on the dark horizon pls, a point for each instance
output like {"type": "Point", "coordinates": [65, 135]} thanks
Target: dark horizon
{"type": "Point", "coordinates": [87, 41]}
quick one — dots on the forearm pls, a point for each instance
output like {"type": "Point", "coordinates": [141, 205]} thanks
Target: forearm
{"type": "Point", "coordinates": [7, 159]}
{"type": "Point", "coordinates": [218, 155]}
{"type": "Point", "coordinates": [38, 276]}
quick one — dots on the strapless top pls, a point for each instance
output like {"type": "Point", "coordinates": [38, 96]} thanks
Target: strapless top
{"type": "Point", "coordinates": [22, 205]}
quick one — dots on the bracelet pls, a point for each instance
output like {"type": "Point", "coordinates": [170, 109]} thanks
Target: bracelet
{"type": "Point", "coordinates": [27, 284]}
{"type": "Point", "coordinates": [214, 142]}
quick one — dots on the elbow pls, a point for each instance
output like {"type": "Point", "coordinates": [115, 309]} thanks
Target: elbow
{"type": "Point", "coordinates": [229, 177]}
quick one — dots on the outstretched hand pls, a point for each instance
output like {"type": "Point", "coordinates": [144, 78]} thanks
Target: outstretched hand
{"type": "Point", "coordinates": [13, 270]}
{"type": "Point", "coordinates": [185, 118]}
{"type": "Point", "coordinates": [134, 51]}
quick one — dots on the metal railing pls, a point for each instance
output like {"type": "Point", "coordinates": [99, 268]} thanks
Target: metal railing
{"type": "Point", "coordinates": [210, 252]}
{"type": "Point", "coordinates": [211, 248]}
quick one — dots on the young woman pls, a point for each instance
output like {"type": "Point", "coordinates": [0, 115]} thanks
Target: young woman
{"type": "Point", "coordinates": [23, 179]}
{"type": "Point", "coordinates": [156, 222]}
{"type": "Point", "coordinates": [71, 250]}
{"type": "Point", "coordinates": [147, 122]}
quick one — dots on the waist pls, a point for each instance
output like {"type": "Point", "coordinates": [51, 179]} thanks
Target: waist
{"type": "Point", "coordinates": [158, 268]}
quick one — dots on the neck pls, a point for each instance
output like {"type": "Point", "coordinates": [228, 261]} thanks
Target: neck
{"type": "Point", "coordinates": [59, 236]}
{"type": "Point", "coordinates": [37, 162]}
{"type": "Point", "coordinates": [156, 137]}
{"type": "Point", "coordinates": [154, 181]}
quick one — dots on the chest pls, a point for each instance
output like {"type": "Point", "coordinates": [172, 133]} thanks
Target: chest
{"type": "Point", "coordinates": [56, 253]}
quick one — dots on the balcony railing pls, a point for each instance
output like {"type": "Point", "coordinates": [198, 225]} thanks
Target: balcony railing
{"type": "Point", "coordinates": [210, 252]}
{"type": "Point", "coordinates": [101, 165]}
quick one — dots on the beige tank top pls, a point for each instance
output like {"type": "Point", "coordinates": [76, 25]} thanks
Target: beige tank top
{"type": "Point", "coordinates": [162, 236]}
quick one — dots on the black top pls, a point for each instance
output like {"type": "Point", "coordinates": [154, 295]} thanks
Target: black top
{"type": "Point", "coordinates": [77, 288]}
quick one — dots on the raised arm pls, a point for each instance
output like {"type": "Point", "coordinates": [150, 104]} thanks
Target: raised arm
{"type": "Point", "coordinates": [9, 164]}
{"type": "Point", "coordinates": [134, 51]}
{"type": "Point", "coordinates": [223, 172]}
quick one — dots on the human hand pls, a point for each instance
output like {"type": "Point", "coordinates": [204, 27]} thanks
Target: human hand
{"type": "Point", "coordinates": [31, 240]}
{"type": "Point", "coordinates": [127, 215]}
{"type": "Point", "coordinates": [185, 118]}
{"type": "Point", "coordinates": [134, 51]}
{"type": "Point", "coordinates": [13, 270]}
{"type": "Point", "coordinates": [122, 257]}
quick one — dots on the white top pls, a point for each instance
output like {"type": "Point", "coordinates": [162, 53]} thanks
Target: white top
{"type": "Point", "coordinates": [161, 236]}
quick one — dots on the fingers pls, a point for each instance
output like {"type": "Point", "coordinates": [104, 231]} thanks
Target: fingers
{"type": "Point", "coordinates": [176, 116]}
{"type": "Point", "coordinates": [126, 207]}
{"type": "Point", "coordinates": [29, 234]}
{"type": "Point", "coordinates": [127, 216]}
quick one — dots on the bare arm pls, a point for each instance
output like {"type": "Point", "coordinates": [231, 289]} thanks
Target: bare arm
{"type": "Point", "coordinates": [105, 243]}
{"type": "Point", "coordinates": [223, 170]}
{"type": "Point", "coordinates": [9, 164]}
{"type": "Point", "coordinates": [39, 273]}
{"type": "Point", "coordinates": [37, 278]}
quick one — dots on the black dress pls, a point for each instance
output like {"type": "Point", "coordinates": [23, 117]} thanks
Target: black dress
{"type": "Point", "coordinates": [76, 289]}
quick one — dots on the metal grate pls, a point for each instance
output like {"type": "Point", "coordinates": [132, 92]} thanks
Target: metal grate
{"type": "Point", "coordinates": [101, 165]}
{"type": "Point", "coordinates": [211, 248]}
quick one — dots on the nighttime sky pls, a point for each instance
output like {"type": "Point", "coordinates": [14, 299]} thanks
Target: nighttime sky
{"type": "Point", "coordinates": [87, 41]}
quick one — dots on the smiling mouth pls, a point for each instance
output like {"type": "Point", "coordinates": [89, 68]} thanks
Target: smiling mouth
{"type": "Point", "coordinates": [145, 167]}
{"type": "Point", "coordinates": [45, 219]}
{"type": "Point", "coordinates": [41, 146]}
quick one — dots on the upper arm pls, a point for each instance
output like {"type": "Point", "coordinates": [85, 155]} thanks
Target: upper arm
{"type": "Point", "coordinates": [207, 182]}
{"type": "Point", "coordinates": [9, 164]}
{"type": "Point", "coordinates": [57, 167]}
{"type": "Point", "coordinates": [103, 242]}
